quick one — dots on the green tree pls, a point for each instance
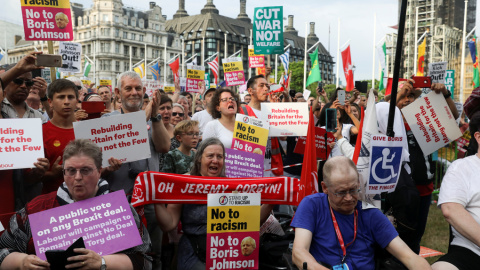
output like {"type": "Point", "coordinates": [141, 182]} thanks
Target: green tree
{"type": "Point", "coordinates": [296, 81]}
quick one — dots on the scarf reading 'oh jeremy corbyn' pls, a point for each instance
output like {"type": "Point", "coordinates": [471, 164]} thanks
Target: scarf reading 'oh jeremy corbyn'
{"type": "Point", "coordinates": [155, 187]}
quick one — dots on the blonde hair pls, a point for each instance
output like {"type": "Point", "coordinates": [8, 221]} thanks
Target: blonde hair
{"type": "Point", "coordinates": [61, 14]}
{"type": "Point", "coordinates": [184, 126]}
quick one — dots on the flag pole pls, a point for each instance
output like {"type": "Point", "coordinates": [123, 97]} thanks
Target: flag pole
{"type": "Point", "coordinates": [251, 41]}
{"type": "Point", "coordinates": [276, 60]}
{"type": "Point", "coordinates": [415, 60]}
{"type": "Point", "coordinates": [462, 72]}
{"type": "Point", "coordinates": [374, 37]}
{"type": "Point", "coordinates": [165, 65]}
{"type": "Point", "coordinates": [338, 53]}
{"type": "Point", "coordinates": [206, 60]}
{"type": "Point", "coordinates": [145, 68]}
{"type": "Point", "coordinates": [305, 60]}
{"type": "Point", "coordinates": [52, 69]}
{"type": "Point", "coordinates": [396, 69]}
{"type": "Point", "coordinates": [203, 50]}
{"type": "Point", "coordinates": [130, 51]}
{"type": "Point", "coordinates": [183, 57]}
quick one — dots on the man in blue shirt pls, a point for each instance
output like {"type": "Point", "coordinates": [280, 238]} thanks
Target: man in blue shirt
{"type": "Point", "coordinates": [334, 232]}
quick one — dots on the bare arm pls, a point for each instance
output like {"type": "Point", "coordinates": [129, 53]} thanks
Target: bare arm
{"type": "Point", "coordinates": [462, 221]}
{"type": "Point", "coordinates": [402, 252]}
{"type": "Point", "coordinates": [160, 137]}
{"type": "Point", "coordinates": [25, 64]}
{"type": "Point", "coordinates": [301, 250]}
{"type": "Point", "coordinates": [168, 216]}
{"type": "Point", "coordinates": [441, 89]}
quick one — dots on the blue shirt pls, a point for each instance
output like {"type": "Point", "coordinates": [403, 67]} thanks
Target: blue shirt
{"type": "Point", "coordinates": [373, 228]}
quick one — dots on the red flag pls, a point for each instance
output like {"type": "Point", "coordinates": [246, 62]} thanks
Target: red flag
{"type": "Point", "coordinates": [388, 90]}
{"type": "Point", "coordinates": [309, 177]}
{"type": "Point", "coordinates": [175, 66]}
{"type": "Point", "coordinates": [347, 68]}
{"type": "Point", "coordinates": [214, 68]}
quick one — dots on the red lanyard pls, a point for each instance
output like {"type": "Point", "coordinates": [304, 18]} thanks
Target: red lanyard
{"type": "Point", "coordinates": [339, 233]}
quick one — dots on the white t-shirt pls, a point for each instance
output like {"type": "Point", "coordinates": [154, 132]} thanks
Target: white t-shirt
{"type": "Point", "coordinates": [346, 134]}
{"type": "Point", "coordinates": [217, 130]}
{"type": "Point", "coordinates": [461, 184]}
{"type": "Point", "coordinates": [203, 118]}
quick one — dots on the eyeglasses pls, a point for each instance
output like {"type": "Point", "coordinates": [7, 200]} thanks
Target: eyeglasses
{"type": "Point", "coordinates": [85, 171]}
{"type": "Point", "coordinates": [28, 83]}
{"type": "Point", "coordinates": [342, 194]}
{"type": "Point", "coordinates": [181, 114]}
{"type": "Point", "coordinates": [233, 99]}
{"type": "Point", "coordinates": [192, 134]}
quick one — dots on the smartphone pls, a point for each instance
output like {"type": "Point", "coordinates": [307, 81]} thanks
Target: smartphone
{"type": "Point", "coordinates": [422, 82]}
{"type": "Point", "coordinates": [49, 60]}
{"type": "Point", "coordinates": [93, 108]}
{"type": "Point", "coordinates": [320, 85]}
{"type": "Point", "coordinates": [331, 120]}
{"type": "Point", "coordinates": [58, 258]}
{"type": "Point", "coordinates": [341, 97]}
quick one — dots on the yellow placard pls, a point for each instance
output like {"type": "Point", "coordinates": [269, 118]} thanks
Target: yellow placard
{"type": "Point", "coordinates": [233, 219]}
{"type": "Point", "coordinates": [46, 3]}
{"type": "Point", "coordinates": [86, 83]}
{"type": "Point", "coordinates": [105, 82]}
{"type": "Point", "coordinates": [195, 74]}
{"type": "Point", "coordinates": [169, 89]}
{"type": "Point", "coordinates": [250, 133]}
{"type": "Point", "coordinates": [232, 66]}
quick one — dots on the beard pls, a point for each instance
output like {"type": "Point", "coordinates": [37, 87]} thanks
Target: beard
{"type": "Point", "coordinates": [132, 105]}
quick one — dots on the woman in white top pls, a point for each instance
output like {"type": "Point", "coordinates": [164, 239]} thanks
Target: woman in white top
{"type": "Point", "coordinates": [224, 105]}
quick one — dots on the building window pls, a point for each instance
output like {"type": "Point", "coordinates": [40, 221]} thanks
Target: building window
{"type": "Point", "coordinates": [140, 37]}
{"type": "Point", "coordinates": [125, 35]}
{"type": "Point", "coordinates": [210, 34]}
{"type": "Point", "coordinates": [104, 47]}
{"type": "Point", "coordinates": [126, 66]}
{"type": "Point", "coordinates": [141, 23]}
{"type": "Point", "coordinates": [125, 21]}
{"type": "Point", "coordinates": [156, 17]}
{"type": "Point", "coordinates": [80, 36]}
{"type": "Point", "coordinates": [134, 51]}
{"type": "Point", "coordinates": [157, 27]}
{"type": "Point", "coordinates": [117, 32]}
{"type": "Point", "coordinates": [134, 22]}
{"type": "Point", "coordinates": [116, 19]}
{"type": "Point", "coordinates": [197, 46]}
{"type": "Point", "coordinates": [89, 48]}
{"type": "Point", "coordinates": [117, 47]}
{"type": "Point", "coordinates": [117, 66]}
{"type": "Point", "coordinates": [105, 17]}
{"type": "Point", "coordinates": [133, 36]}
{"type": "Point", "coordinates": [126, 50]}
{"type": "Point", "coordinates": [142, 52]}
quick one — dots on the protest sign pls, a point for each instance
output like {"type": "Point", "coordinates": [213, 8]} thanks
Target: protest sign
{"type": "Point", "coordinates": [183, 82]}
{"type": "Point", "coordinates": [70, 52]}
{"type": "Point", "coordinates": [47, 20]}
{"type": "Point", "coordinates": [233, 71]}
{"type": "Point", "coordinates": [151, 85]}
{"type": "Point", "coordinates": [122, 136]}
{"type": "Point", "coordinates": [319, 143]}
{"type": "Point", "coordinates": [105, 222]}
{"type": "Point", "coordinates": [431, 122]}
{"type": "Point", "coordinates": [207, 81]}
{"type": "Point", "coordinates": [306, 93]}
{"type": "Point", "coordinates": [243, 164]}
{"type": "Point", "coordinates": [268, 30]}
{"type": "Point", "coordinates": [86, 82]}
{"type": "Point", "coordinates": [450, 80]}
{"type": "Point", "coordinates": [233, 224]}
{"type": "Point", "coordinates": [21, 142]}
{"type": "Point", "coordinates": [250, 134]}
{"type": "Point", "coordinates": [286, 118]}
{"type": "Point", "coordinates": [169, 88]}
{"type": "Point", "coordinates": [106, 81]}
{"type": "Point", "coordinates": [385, 162]}
{"type": "Point", "coordinates": [195, 78]}
{"type": "Point", "coordinates": [156, 187]}
{"type": "Point", "coordinates": [47, 75]}
{"type": "Point", "coordinates": [255, 61]}
{"type": "Point", "coordinates": [437, 72]}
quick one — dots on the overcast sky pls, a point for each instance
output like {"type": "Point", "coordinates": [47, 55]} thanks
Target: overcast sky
{"type": "Point", "coordinates": [357, 20]}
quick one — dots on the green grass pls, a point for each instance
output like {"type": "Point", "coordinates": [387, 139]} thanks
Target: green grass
{"type": "Point", "coordinates": [436, 233]}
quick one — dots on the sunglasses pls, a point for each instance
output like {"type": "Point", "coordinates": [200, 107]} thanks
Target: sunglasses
{"type": "Point", "coordinates": [28, 83]}
{"type": "Point", "coordinates": [178, 113]}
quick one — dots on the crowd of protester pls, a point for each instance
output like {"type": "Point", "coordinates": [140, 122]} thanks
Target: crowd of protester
{"type": "Point", "coordinates": [188, 135]}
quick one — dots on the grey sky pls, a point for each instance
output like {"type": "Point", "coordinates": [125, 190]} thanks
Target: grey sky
{"type": "Point", "coordinates": [357, 17]}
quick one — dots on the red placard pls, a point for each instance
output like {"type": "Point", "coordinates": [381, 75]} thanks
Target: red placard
{"type": "Point", "coordinates": [319, 143]}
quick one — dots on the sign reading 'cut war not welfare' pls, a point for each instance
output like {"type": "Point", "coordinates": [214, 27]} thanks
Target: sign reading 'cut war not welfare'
{"type": "Point", "coordinates": [47, 20]}
{"type": "Point", "coordinates": [105, 222]}
{"type": "Point", "coordinates": [124, 137]}
{"type": "Point", "coordinates": [268, 30]}
{"type": "Point", "coordinates": [233, 224]}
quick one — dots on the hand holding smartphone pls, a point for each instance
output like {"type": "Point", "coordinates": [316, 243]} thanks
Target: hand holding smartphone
{"type": "Point", "coordinates": [48, 60]}
{"type": "Point", "coordinates": [331, 120]}
{"type": "Point", "coordinates": [341, 97]}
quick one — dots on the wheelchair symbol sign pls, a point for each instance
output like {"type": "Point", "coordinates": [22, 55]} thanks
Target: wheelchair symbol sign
{"type": "Point", "coordinates": [385, 165]}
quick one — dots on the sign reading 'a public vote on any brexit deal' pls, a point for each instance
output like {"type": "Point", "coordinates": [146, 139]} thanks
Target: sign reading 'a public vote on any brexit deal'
{"type": "Point", "coordinates": [47, 20]}
{"type": "Point", "coordinates": [268, 30]}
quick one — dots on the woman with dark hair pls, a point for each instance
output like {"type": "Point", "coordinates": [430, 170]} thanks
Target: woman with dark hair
{"type": "Point", "coordinates": [224, 105]}
{"type": "Point", "coordinates": [165, 110]}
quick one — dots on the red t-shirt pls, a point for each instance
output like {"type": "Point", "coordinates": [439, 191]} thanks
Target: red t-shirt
{"type": "Point", "coordinates": [54, 141]}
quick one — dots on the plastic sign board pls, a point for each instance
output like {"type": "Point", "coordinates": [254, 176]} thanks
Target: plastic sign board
{"type": "Point", "coordinates": [195, 78]}
{"type": "Point", "coordinates": [268, 30]}
{"type": "Point", "coordinates": [233, 71]}
{"type": "Point", "coordinates": [255, 61]}
{"type": "Point", "coordinates": [286, 118]}
{"type": "Point", "coordinates": [47, 20]}
{"type": "Point", "coordinates": [71, 53]}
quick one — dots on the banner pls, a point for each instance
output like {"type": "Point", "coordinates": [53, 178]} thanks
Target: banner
{"type": "Point", "coordinates": [195, 78]}
{"type": "Point", "coordinates": [322, 151]}
{"type": "Point", "coordinates": [123, 136]}
{"type": "Point", "coordinates": [243, 164]}
{"type": "Point", "coordinates": [384, 165]}
{"type": "Point", "coordinates": [250, 134]}
{"type": "Point", "coordinates": [47, 20]}
{"type": "Point", "coordinates": [268, 30]}
{"type": "Point", "coordinates": [207, 81]}
{"type": "Point", "coordinates": [71, 53]}
{"type": "Point", "coordinates": [233, 71]}
{"type": "Point", "coordinates": [156, 187]}
{"type": "Point", "coordinates": [21, 142]}
{"type": "Point", "coordinates": [450, 81]}
{"type": "Point", "coordinates": [105, 222]}
{"type": "Point", "coordinates": [437, 71]}
{"type": "Point", "coordinates": [46, 74]}
{"type": "Point", "coordinates": [347, 68]}
{"type": "Point", "coordinates": [431, 122]}
{"type": "Point", "coordinates": [233, 224]}
{"type": "Point", "coordinates": [255, 61]}
{"type": "Point", "coordinates": [286, 118]}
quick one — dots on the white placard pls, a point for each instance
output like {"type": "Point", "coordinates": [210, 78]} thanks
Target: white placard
{"type": "Point", "coordinates": [183, 82]}
{"type": "Point", "coordinates": [286, 118]}
{"type": "Point", "coordinates": [21, 143]}
{"type": "Point", "coordinates": [151, 85]}
{"type": "Point", "coordinates": [306, 93]}
{"type": "Point", "coordinates": [437, 71]}
{"type": "Point", "coordinates": [71, 53]}
{"type": "Point", "coordinates": [431, 122]}
{"type": "Point", "coordinates": [124, 137]}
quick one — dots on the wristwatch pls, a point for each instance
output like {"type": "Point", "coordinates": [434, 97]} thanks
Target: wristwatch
{"type": "Point", "coordinates": [158, 118]}
{"type": "Point", "coordinates": [104, 265]}
{"type": "Point", "coordinates": [447, 95]}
